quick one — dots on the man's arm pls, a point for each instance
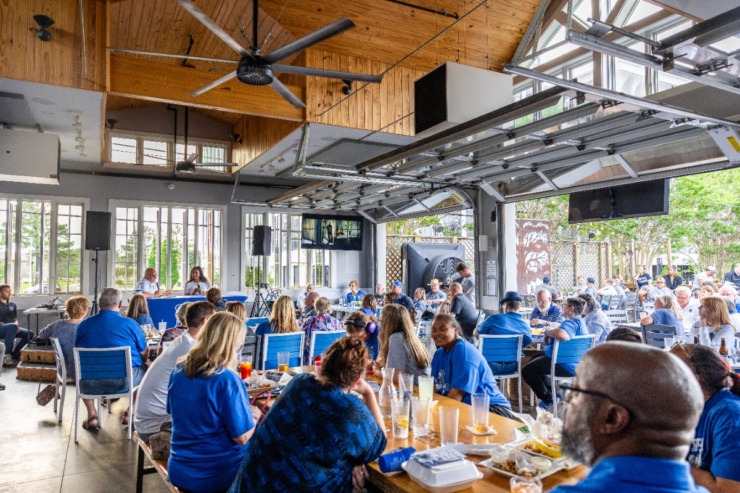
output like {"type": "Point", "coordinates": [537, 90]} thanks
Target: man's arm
{"type": "Point", "coordinates": [557, 333]}
{"type": "Point", "coordinates": [712, 483]}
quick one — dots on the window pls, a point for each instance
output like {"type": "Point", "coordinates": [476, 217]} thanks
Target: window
{"type": "Point", "coordinates": [171, 240]}
{"type": "Point", "coordinates": [133, 148]}
{"type": "Point", "coordinates": [289, 265]}
{"type": "Point", "coordinates": [41, 246]}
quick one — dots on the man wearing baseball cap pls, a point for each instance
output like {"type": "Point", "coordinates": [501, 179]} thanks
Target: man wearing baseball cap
{"type": "Point", "coordinates": [435, 297]}
{"type": "Point", "coordinates": [400, 297]}
{"type": "Point", "coordinates": [702, 277]}
{"type": "Point", "coordinates": [591, 286]}
{"type": "Point", "coordinates": [547, 284]}
{"type": "Point", "coordinates": [508, 322]}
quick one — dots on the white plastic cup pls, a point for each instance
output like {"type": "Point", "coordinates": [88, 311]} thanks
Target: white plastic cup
{"type": "Point", "coordinates": [420, 411]}
{"type": "Point", "coordinates": [400, 418]}
{"type": "Point", "coordinates": [480, 403]}
{"type": "Point", "coordinates": [448, 417]}
{"type": "Point", "coordinates": [519, 484]}
{"type": "Point", "coordinates": [162, 326]}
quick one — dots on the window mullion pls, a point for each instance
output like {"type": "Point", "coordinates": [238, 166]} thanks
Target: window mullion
{"type": "Point", "coordinates": [169, 247]}
{"type": "Point", "coordinates": [53, 237]}
{"type": "Point", "coordinates": [140, 254]}
{"type": "Point", "coordinates": [18, 245]}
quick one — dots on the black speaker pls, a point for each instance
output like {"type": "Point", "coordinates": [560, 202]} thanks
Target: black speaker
{"type": "Point", "coordinates": [97, 230]}
{"type": "Point", "coordinates": [262, 240]}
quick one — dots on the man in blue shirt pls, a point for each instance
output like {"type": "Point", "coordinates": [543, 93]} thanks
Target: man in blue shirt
{"type": "Point", "coordinates": [545, 311]}
{"type": "Point", "coordinates": [109, 329]}
{"type": "Point", "coordinates": [537, 370]}
{"type": "Point", "coordinates": [400, 297]}
{"type": "Point", "coordinates": [435, 297]}
{"type": "Point", "coordinates": [509, 322]}
{"type": "Point", "coordinates": [355, 293]}
{"type": "Point", "coordinates": [591, 286]}
{"type": "Point", "coordinates": [631, 414]}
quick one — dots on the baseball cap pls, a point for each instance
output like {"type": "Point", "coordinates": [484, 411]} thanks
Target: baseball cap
{"type": "Point", "coordinates": [590, 279]}
{"type": "Point", "coordinates": [397, 283]}
{"type": "Point", "coordinates": [546, 279]}
{"type": "Point", "coordinates": [712, 268]}
{"type": "Point", "coordinates": [511, 296]}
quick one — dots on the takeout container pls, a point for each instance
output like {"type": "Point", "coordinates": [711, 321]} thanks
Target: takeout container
{"type": "Point", "coordinates": [445, 478]}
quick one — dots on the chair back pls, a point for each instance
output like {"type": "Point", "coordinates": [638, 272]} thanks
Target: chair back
{"type": "Point", "coordinates": [321, 340]}
{"type": "Point", "coordinates": [272, 344]}
{"type": "Point", "coordinates": [615, 302]}
{"type": "Point", "coordinates": [571, 351]}
{"type": "Point", "coordinates": [103, 363]}
{"type": "Point", "coordinates": [631, 298]}
{"type": "Point", "coordinates": [617, 317]}
{"type": "Point", "coordinates": [249, 349]}
{"type": "Point", "coordinates": [500, 348]}
{"type": "Point", "coordinates": [59, 355]}
{"type": "Point", "coordinates": [654, 334]}
{"type": "Point", "coordinates": [253, 322]}
{"type": "Point", "coordinates": [606, 300]}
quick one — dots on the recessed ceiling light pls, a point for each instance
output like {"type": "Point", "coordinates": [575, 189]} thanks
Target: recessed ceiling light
{"type": "Point", "coordinates": [44, 101]}
{"type": "Point", "coordinates": [328, 139]}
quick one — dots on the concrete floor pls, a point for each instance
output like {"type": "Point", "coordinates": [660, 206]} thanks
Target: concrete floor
{"type": "Point", "coordinates": [37, 454]}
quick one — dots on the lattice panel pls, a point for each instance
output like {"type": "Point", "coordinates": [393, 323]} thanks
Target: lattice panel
{"type": "Point", "coordinates": [469, 244]}
{"type": "Point", "coordinates": [393, 264]}
{"type": "Point", "coordinates": [589, 261]}
{"type": "Point", "coordinates": [561, 262]}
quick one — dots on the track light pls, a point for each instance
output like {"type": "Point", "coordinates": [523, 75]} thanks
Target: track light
{"type": "Point", "coordinates": [44, 22]}
{"type": "Point", "coordinates": [235, 138]}
{"type": "Point", "coordinates": [111, 123]}
{"type": "Point", "coordinates": [347, 88]}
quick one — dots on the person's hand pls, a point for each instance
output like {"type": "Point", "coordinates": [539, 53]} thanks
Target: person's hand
{"type": "Point", "coordinates": [535, 321]}
{"type": "Point", "coordinates": [359, 475]}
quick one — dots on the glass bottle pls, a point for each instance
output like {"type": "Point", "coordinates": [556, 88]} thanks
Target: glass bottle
{"type": "Point", "coordinates": [696, 339]}
{"type": "Point", "coordinates": [723, 349]}
{"type": "Point", "coordinates": [387, 392]}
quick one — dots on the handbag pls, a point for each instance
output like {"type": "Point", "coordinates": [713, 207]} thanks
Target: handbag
{"type": "Point", "coordinates": [259, 409]}
{"type": "Point", "coordinates": [45, 395]}
{"type": "Point", "coordinates": [160, 442]}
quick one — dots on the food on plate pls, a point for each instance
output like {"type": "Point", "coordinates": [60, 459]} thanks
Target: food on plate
{"type": "Point", "coordinates": [513, 461]}
{"type": "Point", "coordinates": [540, 447]}
{"type": "Point", "coordinates": [541, 464]}
{"type": "Point", "coordinates": [481, 428]}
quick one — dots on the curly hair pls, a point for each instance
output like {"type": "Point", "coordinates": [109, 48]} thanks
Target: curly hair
{"type": "Point", "coordinates": [76, 307]}
{"type": "Point", "coordinates": [344, 362]}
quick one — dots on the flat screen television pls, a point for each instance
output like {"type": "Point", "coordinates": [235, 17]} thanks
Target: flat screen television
{"type": "Point", "coordinates": [331, 232]}
{"type": "Point", "coordinates": [647, 198]}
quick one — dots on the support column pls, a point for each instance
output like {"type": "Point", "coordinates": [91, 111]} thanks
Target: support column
{"type": "Point", "coordinates": [380, 255]}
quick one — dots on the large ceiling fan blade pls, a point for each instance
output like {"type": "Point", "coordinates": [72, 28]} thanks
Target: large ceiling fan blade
{"type": "Point", "coordinates": [213, 84]}
{"type": "Point", "coordinates": [171, 55]}
{"type": "Point", "coordinates": [285, 92]}
{"type": "Point", "coordinates": [212, 26]}
{"type": "Point", "coordinates": [315, 37]}
{"type": "Point", "coordinates": [331, 74]}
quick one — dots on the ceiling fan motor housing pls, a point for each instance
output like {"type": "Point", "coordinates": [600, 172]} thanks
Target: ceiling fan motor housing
{"type": "Point", "coordinates": [254, 74]}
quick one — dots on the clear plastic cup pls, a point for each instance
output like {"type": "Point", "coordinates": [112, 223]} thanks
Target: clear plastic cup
{"type": "Point", "coordinates": [420, 412]}
{"type": "Point", "coordinates": [283, 361]}
{"type": "Point", "coordinates": [400, 418]}
{"type": "Point", "coordinates": [426, 387]}
{"type": "Point", "coordinates": [519, 484]}
{"type": "Point", "coordinates": [406, 385]}
{"type": "Point", "coordinates": [448, 417]}
{"type": "Point", "coordinates": [479, 403]}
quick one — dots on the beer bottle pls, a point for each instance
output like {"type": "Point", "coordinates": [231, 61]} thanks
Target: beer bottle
{"type": "Point", "coordinates": [723, 349]}
{"type": "Point", "coordinates": [696, 339]}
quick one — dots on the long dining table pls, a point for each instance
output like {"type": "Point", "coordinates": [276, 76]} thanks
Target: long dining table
{"type": "Point", "coordinates": [491, 480]}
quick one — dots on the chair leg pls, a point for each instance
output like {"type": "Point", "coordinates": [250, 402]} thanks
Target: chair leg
{"type": "Point", "coordinates": [140, 470]}
{"type": "Point", "coordinates": [520, 393]}
{"type": "Point", "coordinates": [130, 413]}
{"type": "Point", "coordinates": [77, 414]}
{"type": "Point", "coordinates": [61, 401]}
{"type": "Point", "coordinates": [56, 393]}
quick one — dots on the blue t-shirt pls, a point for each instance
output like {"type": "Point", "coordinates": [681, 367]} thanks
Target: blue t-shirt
{"type": "Point", "coordinates": [663, 316]}
{"type": "Point", "coordinates": [465, 369]}
{"type": "Point", "coordinates": [505, 324]}
{"type": "Point", "coordinates": [631, 474]}
{"type": "Point", "coordinates": [144, 319]}
{"type": "Point", "coordinates": [357, 297]}
{"type": "Point", "coordinates": [574, 327]}
{"type": "Point", "coordinates": [109, 329]}
{"type": "Point", "coordinates": [207, 414]}
{"type": "Point", "coordinates": [716, 445]}
{"type": "Point", "coordinates": [311, 439]}
{"type": "Point", "coordinates": [554, 314]}
{"type": "Point", "coordinates": [642, 280]}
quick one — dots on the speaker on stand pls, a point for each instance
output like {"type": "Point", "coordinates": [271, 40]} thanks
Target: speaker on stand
{"type": "Point", "coordinates": [97, 238]}
{"type": "Point", "coordinates": [262, 246]}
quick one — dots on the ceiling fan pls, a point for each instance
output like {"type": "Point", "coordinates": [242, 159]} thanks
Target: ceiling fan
{"type": "Point", "coordinates": [256, 69]}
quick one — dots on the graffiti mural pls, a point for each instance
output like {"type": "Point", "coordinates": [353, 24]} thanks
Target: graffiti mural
{"type": "Point", "coordinates": [533, 253]}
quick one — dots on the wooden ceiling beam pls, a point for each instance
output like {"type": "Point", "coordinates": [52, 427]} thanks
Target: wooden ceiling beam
{"type": "Point", "coordinates": [154, 81]}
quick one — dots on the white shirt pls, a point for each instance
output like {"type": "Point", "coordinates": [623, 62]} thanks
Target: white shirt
{"type": "Point", "coordinates": [726, 332]}
{"type": "Point", "coordinates": [151, 403]}
{"type": "Point", "coordinates": [192, 286]}
{"type": "Point", "coordinates": [690, 314]}
{"type": "Point", "coordinates": [147, 286]}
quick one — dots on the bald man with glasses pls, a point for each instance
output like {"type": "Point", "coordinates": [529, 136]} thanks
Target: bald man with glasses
{"type": "Point", "coordinates": [631, 415]}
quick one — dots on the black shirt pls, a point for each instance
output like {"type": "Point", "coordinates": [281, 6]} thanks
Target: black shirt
{"type": "Point", "coordinates": [465, 314]}
{"type": "Point", "coordinates": [677, 281]}
{"type": "Point", "coordinates": [733, 278]}
{"type": "Point", "coordinates": [8, 312]}
{"type": "Point", "coordinates": [405, 301]}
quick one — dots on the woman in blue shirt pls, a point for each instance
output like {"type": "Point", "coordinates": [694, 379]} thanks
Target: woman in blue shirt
{"type": "Point", "coordinates": [715, 451]}
{"type": "Point", "coordinates": [355, 293]}
{"type": "Point", "coordinates": [139, 310]}
{"type": "Point", "coordinates": [460, 368]}
{"type": "Point", "coordinates": [317, 437]}
{"type": "Point", "coordinates": [211, 417]}
{"type": "Point", "coordinates": [666, 312]}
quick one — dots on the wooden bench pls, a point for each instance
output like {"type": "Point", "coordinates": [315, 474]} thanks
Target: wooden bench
{"type": "Point", "coordinates": [158, 466]}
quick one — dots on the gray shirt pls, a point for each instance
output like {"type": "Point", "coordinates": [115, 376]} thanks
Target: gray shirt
{"type": "Point", "coordinates": [65, 332]}
{"type": "Point", "coordinates": [468, 285]}
{"type": "Point", "coordinates": [401, 358]}
{"type": "Point", "coordinates": [597, 322]}
{"type": "Point", "coordinates": [151, 403]}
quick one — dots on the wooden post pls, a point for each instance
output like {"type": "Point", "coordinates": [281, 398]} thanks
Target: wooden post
{"type": "Point", "coordinates": [610, 272]}
{"type": "Point", "coordinates": [633, 269]}
{"type": "Point", "coordinates": [576, 262]}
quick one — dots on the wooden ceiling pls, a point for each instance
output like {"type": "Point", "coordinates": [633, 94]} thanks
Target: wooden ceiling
{"type": "Point", "coordinates": [386, 31]}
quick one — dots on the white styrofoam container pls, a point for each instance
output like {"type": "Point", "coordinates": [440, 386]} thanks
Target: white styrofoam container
{"type": "Point", "coordinates": [446, 478]}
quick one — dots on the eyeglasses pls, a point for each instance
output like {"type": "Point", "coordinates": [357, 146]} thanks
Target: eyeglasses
{"type": "Point", "coordinates": [570, 388]}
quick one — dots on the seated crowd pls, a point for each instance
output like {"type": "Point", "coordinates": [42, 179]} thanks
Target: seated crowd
{"type": "Point", "coordinates": [642, 418]}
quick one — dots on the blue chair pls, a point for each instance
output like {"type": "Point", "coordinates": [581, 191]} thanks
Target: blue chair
{"type": "Point", "coordinates": [504, 348]}
{"type": "Point", "coordinates": [107, 364]}
{"type": "Point", "coordinates": [654, 334]}
{"type": "Point", "coordinates": [60, 383]}
{"type": "Point", "coordinates": [567, 352]}
{"type": "Point", "coordinates": [320, 342]}
{"type": "Point", "coordinates": [252, 323]}
{"type": "Point", "coordinates": [272, 344]}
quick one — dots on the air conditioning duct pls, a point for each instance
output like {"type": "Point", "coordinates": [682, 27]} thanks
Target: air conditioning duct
{"type": "Point", "coordinates": [28, 157]}
{"type": "Point", "coordinates": [453, 93]}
